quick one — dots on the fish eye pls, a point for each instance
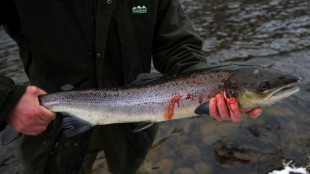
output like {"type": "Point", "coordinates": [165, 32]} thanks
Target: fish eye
{"type": "Point", "coordinates": [265, 85]}
{"type": "Point", "coordinates": [281, 79]}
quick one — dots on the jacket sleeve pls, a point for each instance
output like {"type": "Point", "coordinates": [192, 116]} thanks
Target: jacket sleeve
{"type": "Point", "coordinates": [9, 92]}
{"type": "Point", "coordinates": [177, 46]}
{"type": "Point", "coordinates": [9, 96]}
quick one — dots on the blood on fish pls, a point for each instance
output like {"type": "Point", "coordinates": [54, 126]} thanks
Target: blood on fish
{"type": "Point", "coordinates": [190, 96]}
{"type": "Point", "coordinates": [194, 80]}
{"type": "Point", "coordinates": [170, 108]}
{"type": "Point", "coordinates": [200, 99]}
{"type": "Point", "coordinates": [231, 102]}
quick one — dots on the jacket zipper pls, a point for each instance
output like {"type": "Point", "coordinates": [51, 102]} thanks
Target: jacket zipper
{"type": "Point", "coordinates": [87, 134]}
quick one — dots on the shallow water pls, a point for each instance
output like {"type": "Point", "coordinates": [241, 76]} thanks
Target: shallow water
{"type": "Point", "coordinates": [272, 33]}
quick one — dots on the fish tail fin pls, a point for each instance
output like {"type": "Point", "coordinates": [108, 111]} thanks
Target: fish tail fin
{"type": "Point", "coordinates": [74, 126]}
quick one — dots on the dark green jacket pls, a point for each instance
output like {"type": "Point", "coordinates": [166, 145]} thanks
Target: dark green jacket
{"type": "Point", "coordinates": [90, 44]}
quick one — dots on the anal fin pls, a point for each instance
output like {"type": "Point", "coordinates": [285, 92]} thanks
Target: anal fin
{"type": "Point", "coordinates": [141, 126]}
{"type": "Point", "coordinates": [74, 126]}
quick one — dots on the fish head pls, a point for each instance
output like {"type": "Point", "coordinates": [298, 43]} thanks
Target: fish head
{"type": "Point", "coordinates": [256, 86]}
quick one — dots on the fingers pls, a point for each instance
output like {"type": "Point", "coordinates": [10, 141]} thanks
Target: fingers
{"type": "Point", "coordinates": [48, 115]}
{"type": "Point", "coordinates": [35, 131]}
{"type": "Point", "coordinates": [43, 119]}
{"type": "Point", "coordinates": [220, 111]}
{"type": "Point", "coordinates": [235, 113]}
{"type": "Point", "coordinates": [254, 112]}
{"type": "Point", "coordinates": [222, 107]}
{"type": "Point", "coordinates": [224, 110]}
{"type": "Point", "coordinates": [213, 110]}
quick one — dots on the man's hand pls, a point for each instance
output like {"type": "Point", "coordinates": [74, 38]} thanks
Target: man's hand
{"type": "Point", "coordinates": [28, 116]}
{"type": "Point", "coordinates": [219, 110]}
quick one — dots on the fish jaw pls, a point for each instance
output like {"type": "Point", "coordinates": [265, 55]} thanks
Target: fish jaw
{"type": "Point", "coordinates": [283, 92]}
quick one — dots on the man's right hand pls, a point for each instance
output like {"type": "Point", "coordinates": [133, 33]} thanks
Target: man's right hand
{"type": "Point", "coordinates": [28, 116]}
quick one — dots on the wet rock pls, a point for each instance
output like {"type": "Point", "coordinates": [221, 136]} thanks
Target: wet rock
{"type": "Point", "coordinates": [164, 166]}
{"type": "Point", "coordinates": [202, 168]}
{"type": "Point", "coordinates": [184, 171]}
{"type": "Point", "coordinates": [307, 87]}
{"type": "Point", "coordinates": [187, 129]}
{"type": "Point", "coordinates": [190, 152]}
{"type": "Point", "coordinates": [228, 151]}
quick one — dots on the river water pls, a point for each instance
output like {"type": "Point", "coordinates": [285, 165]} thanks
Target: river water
{"type": "Point", "coordinates": [273, 33]}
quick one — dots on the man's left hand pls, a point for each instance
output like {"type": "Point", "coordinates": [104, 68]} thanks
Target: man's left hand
{"type": "Point", "coordinates": [226, 109]}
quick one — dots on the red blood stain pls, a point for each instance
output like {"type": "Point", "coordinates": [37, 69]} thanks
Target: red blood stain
{"type": "Point", "coordinates": [190, 96]}
{"type": "Point", "coordinates": [170, 108]}
{"type": "Point", "coordinates": [231, 103]}
{"type": "Point", "coordinates": [194, 80]}
{"type": "Point", "coordinates": [220, 76]}
{"type": "Point", "coordinates": [200, 99]}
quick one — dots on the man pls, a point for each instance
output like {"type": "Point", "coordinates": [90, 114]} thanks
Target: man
{"type": "Point", "coordinates": [93, 44]}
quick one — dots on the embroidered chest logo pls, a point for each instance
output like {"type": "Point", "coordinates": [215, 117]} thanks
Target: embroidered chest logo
{"type": "Point", "coordinates": [139, 10]}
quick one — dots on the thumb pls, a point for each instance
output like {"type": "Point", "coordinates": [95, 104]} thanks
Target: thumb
{"type": "Point", "coordinates": [35, 90]}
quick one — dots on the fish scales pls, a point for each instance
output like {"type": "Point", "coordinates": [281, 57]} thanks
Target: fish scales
{"type": "Point", "coordinates": [171, 98]}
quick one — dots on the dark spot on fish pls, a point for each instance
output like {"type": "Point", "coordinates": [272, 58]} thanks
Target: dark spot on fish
{"type": "Point", "coordinates": [280, 79]}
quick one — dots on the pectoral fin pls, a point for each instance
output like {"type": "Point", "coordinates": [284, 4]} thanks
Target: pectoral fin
{"type": "Point", "coordinates": [203, 109]}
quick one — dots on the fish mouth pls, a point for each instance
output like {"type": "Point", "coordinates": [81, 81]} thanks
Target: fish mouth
{"type": "Point", "coordinates": [284, 91]}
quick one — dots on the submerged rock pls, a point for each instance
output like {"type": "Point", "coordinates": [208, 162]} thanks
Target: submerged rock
{"type": "Point", "coordinates": [190, 152]}
{"type": "Point", "coordinates": [229, 152]}
{"type": "Point", "coordinates": [203, 168]}
{"type": "Point", "coordinates": [164, 166]}
{"type": "Point", "coordinates": [184, 171]}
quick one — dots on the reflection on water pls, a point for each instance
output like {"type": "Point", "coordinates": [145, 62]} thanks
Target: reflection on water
{"type": "Point", "coordinates": [273, 33]}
